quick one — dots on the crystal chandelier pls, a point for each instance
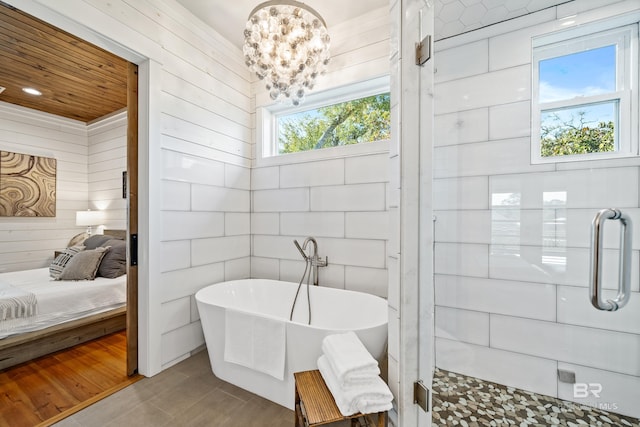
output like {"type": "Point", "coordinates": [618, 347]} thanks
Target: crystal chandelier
{"type": "Point", "coordinates": [286, 43]}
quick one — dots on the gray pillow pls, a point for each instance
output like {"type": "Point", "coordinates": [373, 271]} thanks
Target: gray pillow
{"type": "Point", "coordinates": [96, 240]}
{"type": "Point", "coordinates": [114, 263]}
{"type": "Point", "coordinates": [83, 267]}
{"type": "Point", "coordinates": [63, 259]}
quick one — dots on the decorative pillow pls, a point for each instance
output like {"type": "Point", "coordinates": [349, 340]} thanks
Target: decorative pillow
{"type": "Point", "coordinates": [84, 265]}
{"type": "Point", "coordinates": [61, 260]}
{"type": "Point", "coordinates": [78, 239]}
{"type": "Point", "coordinates": [114, 263]}
{"type": "Point", "coordinates": [96, 240]}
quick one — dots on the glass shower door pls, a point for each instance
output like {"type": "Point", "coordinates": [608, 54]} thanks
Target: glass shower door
{"type": "Point", "coordinates": [512, 256]}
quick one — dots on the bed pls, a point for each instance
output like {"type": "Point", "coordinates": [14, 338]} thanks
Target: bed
{"type": "Point", "coordinates": [40, 315]}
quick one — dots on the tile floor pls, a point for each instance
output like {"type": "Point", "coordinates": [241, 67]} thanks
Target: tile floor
{"type": "Point", "coordinates": [459, 400]}
{"type": "Point", "coordinates": [187, 394]}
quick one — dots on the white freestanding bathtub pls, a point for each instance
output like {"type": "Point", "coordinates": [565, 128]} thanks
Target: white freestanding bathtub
{"type": "Point", "coordinates": [332, 311]}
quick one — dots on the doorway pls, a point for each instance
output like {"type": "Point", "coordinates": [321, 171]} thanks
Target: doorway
{"type": "Point", "coordinates": [63, 82]}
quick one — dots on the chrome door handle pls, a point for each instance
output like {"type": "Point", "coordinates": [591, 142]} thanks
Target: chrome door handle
{"type": "Point", "coordinates": [624, 265]}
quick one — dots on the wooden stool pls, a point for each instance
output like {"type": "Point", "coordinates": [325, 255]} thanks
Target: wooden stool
{"type": "Point", "coordinates": [315, 405]}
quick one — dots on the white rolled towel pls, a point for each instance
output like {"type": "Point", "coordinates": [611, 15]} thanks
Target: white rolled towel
{"type": "Point", "coordinates": [349, 358]}
{"type": "Point", "coordinates": [370, 397]}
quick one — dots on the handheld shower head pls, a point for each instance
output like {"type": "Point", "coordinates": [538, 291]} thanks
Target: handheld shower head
{"type": "Point", "coordinates": [295, 242]}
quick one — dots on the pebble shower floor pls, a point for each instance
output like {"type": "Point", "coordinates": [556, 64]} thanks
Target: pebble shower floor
{"type": "Point", "coordinates": [459, 400]}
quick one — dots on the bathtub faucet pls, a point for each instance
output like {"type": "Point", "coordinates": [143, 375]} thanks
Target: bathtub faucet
{"type": "Point", "coordinates": [314, 259]}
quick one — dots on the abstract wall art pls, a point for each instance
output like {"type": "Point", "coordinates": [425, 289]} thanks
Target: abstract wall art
{"type": "Point", "coordinates": [27, 185]}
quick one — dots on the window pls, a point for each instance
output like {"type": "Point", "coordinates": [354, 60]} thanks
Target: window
{"type": "Point", "coordinates": [351, 122]}
{"type": "Point", "coordinates": [584, 95]}
{"type": "Point", "coordinates": [332, 122]}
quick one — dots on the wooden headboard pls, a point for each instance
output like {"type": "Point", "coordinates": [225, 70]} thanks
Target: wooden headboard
{"type": "Point", "coordinates": [118, 234]}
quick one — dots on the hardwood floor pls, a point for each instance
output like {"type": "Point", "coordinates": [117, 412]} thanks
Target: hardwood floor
{"type": "Point", "coordinates": [49, 388]}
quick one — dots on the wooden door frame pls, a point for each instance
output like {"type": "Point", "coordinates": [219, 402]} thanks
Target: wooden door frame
{"type": "Point", "coordinates": [132, 226]}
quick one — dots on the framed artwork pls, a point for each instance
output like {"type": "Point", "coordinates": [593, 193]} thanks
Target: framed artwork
{"type": "Point", "coordinates": [27, 185]}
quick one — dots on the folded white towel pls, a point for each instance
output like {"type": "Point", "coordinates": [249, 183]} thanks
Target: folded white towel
{"type": "Point", "coordinates": [349, 358]}
{"type": "Point", "coordinates": [255, 342]}
{"type": "Point", "coordinates": [372, 406]}
{"type": "Point", "coordinates": [370, 397]}
{"type": "Point", "coordinates": [331, 381]}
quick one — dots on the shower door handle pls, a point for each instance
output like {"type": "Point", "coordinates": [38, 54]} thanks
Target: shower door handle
{"type": "Point", "coordinates": [624, 265]}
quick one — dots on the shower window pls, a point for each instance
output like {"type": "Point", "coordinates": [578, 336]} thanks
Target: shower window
{"type": "Point", "coordinates": [332, 123]}
{"type": "Point", "coordinates": [584, 95]}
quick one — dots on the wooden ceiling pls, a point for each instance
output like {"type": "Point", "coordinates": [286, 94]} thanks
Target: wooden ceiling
{"type": "Point", "coordinates": [77, 79]}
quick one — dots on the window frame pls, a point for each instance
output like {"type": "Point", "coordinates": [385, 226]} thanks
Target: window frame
{"type": "Point", "coordinates": [625, 38]}
{"type": "Point", "coordinates": [267, 128]}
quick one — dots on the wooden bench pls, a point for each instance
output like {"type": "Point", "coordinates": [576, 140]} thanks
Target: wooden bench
{"type": "Point", "coordinates": [315, 405]}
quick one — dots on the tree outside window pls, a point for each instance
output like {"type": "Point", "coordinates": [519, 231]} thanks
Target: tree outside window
{"type": "Point", "coordinates": [353, 122]}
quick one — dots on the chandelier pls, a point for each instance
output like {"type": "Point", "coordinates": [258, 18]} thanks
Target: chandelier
{"type": "Point", "coordinates": [286, 44]}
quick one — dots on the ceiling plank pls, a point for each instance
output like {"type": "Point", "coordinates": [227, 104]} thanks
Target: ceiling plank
{"type": "Point", "coordinates": [49, 38]}
{"type": "Point", "coordinates": [77, 79]}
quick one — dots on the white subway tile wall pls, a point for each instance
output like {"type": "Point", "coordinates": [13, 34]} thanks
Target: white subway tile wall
{"type": "Point", "coordinates": [461, 127]}
{"type": "Point", "coordinates": [176, 314]}
{"type": "Point", "coordinates": [237, 268]}
{"type": "Point", "coordinates": [512, 239]}
{"type": "Point", "coordinates": [504, 367]}
{"type": "Point", "coordinates": [349, 221]}
{"type": "Point", "coordinates": [619, 392]}
{"type": "Point", "coordinates": [462, 325]}
{"type": "Point", "coordinates": [205, 232]}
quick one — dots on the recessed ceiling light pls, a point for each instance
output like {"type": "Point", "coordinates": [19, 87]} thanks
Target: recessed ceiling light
{"type": "Point", "coordinates": [31, 91]}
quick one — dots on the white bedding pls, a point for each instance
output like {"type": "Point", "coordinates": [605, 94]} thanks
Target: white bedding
{"type": "Point", "coordinates": [60, 301]}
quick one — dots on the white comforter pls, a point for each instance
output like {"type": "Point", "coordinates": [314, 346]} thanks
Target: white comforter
{"type": "Point", "coordinates": [60, 301]}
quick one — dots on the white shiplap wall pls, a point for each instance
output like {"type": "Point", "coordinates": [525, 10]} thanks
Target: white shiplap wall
{"type": "Point", "coordinates": [511, 293]}
{"type": "Point", "coordinates": [340, 201]}
{"type": "Point", "coordinates": [27, 243]}
{"type": "Point", "coordinates": [90, 160]}
{"type": "Point", "coordinates": [107, 160]}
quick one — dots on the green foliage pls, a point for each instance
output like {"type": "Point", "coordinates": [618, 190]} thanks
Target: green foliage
{"type": "Point", "coordinates": [361, 120]}
{"type": "Point", "coordinates": [576, 137]}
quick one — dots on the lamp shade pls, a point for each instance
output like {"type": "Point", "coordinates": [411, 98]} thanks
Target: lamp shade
{"type": "Point", "coordinates": [89, 218]}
